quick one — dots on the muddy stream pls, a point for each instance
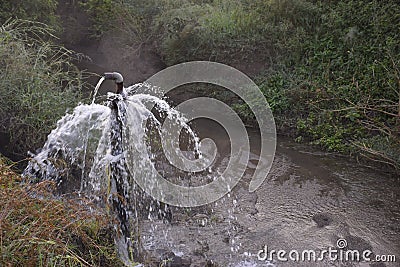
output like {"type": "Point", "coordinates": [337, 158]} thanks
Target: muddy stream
{"type": "Point", "coordinates": [309, 201]}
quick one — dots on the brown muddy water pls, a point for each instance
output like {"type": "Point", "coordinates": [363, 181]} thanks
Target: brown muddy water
{"type": "Point", "coordinates": [309, 201]}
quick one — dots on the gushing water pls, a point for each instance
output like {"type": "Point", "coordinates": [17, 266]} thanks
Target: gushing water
{"type": "Point", "coordinates": [85, 153]}
{"type": "Point", "coordinates": [96, 89]}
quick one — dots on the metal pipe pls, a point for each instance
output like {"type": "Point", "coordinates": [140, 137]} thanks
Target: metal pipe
{"type": "Point", "coordinates": [119, 195]}
{"type": "Point", "coordinates": [119, 80]}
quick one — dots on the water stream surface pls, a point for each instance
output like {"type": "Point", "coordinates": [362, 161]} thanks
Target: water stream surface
{"type": "Point", "coordinates": [309, 201]}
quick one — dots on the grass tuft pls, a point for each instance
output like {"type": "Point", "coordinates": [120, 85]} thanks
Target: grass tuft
{"type": "Point", "coordinates": [38, 229]}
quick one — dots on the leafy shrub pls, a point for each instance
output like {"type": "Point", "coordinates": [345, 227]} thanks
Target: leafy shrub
{"type": "Point", "coordinates": [380, 148]}
{"type": "Point", "coordinates": [176, 32]}
{"type": "Point", "coordinates": [36, 10]}
{"type": "Point", "coordinates": [352, 76]}
{"type": "Point", "coordinates": [102, 13]}
{"type": "Point", "coordinates": [219, 30]}
{"type": "Point", "coordinates": [205, 31]}
{"type": "Point", "coordinates": [38, 83]}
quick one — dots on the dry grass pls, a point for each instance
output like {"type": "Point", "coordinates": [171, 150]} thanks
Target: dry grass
{"type": "Point", "coordinates": [38, 229]}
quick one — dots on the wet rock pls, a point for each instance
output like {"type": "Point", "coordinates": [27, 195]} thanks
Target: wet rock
{"type": "Point", "coordinates": [322, 219]}
{"type": "Point", "coordinates": [201, 219]}
{"type": "Point", "coordinates": [202, 249]}
{"type": "Point", "coordinates": [355, 242]}
{"type": "Point", "coordinates": [171, 260]}
{"type": "Point", "coordinates": [247, 201]}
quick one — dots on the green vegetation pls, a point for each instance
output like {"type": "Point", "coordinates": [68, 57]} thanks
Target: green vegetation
{"type": "Point", "coordinates": [335, 63]}
{"type": "Point", "coordinates": [348, 81]}
{"type": "Point", "coordinates": [331, 68]}
{"type": "Point", "coordinates": [38, 83]}
{"type": "Point", "coordinates": [36, 10]}
{"type": "Point", "coordinates": [124, 20]}
{"type": "Point", "coordinates": [37, 229]}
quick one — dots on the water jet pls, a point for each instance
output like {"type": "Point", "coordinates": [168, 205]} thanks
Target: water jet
{"type": "Point", "coordinates": [85, 154]}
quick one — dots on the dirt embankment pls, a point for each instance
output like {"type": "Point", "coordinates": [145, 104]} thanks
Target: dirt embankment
{"type": "Point", "coordinates": [108, 53]}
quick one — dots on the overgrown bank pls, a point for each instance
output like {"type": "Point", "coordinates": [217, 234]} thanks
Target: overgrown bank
{"type": "Point", "coordinates": [38, 84]}
{"type": "Point", "coordinates": [329, 69]}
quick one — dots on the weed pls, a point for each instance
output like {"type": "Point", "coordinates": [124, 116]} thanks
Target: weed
{"type": "Point", "coordinates": [38, 229]}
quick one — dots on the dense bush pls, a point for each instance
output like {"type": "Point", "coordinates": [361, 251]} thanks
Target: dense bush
{"type": "Point", "coordinates": [36, 10]}
{"type": "Point", "coordinates": [125, 21]}
{"type": "Point", "coordinates": [351, 80]}
{"type": "Point", "coordinates": [37, 83]}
